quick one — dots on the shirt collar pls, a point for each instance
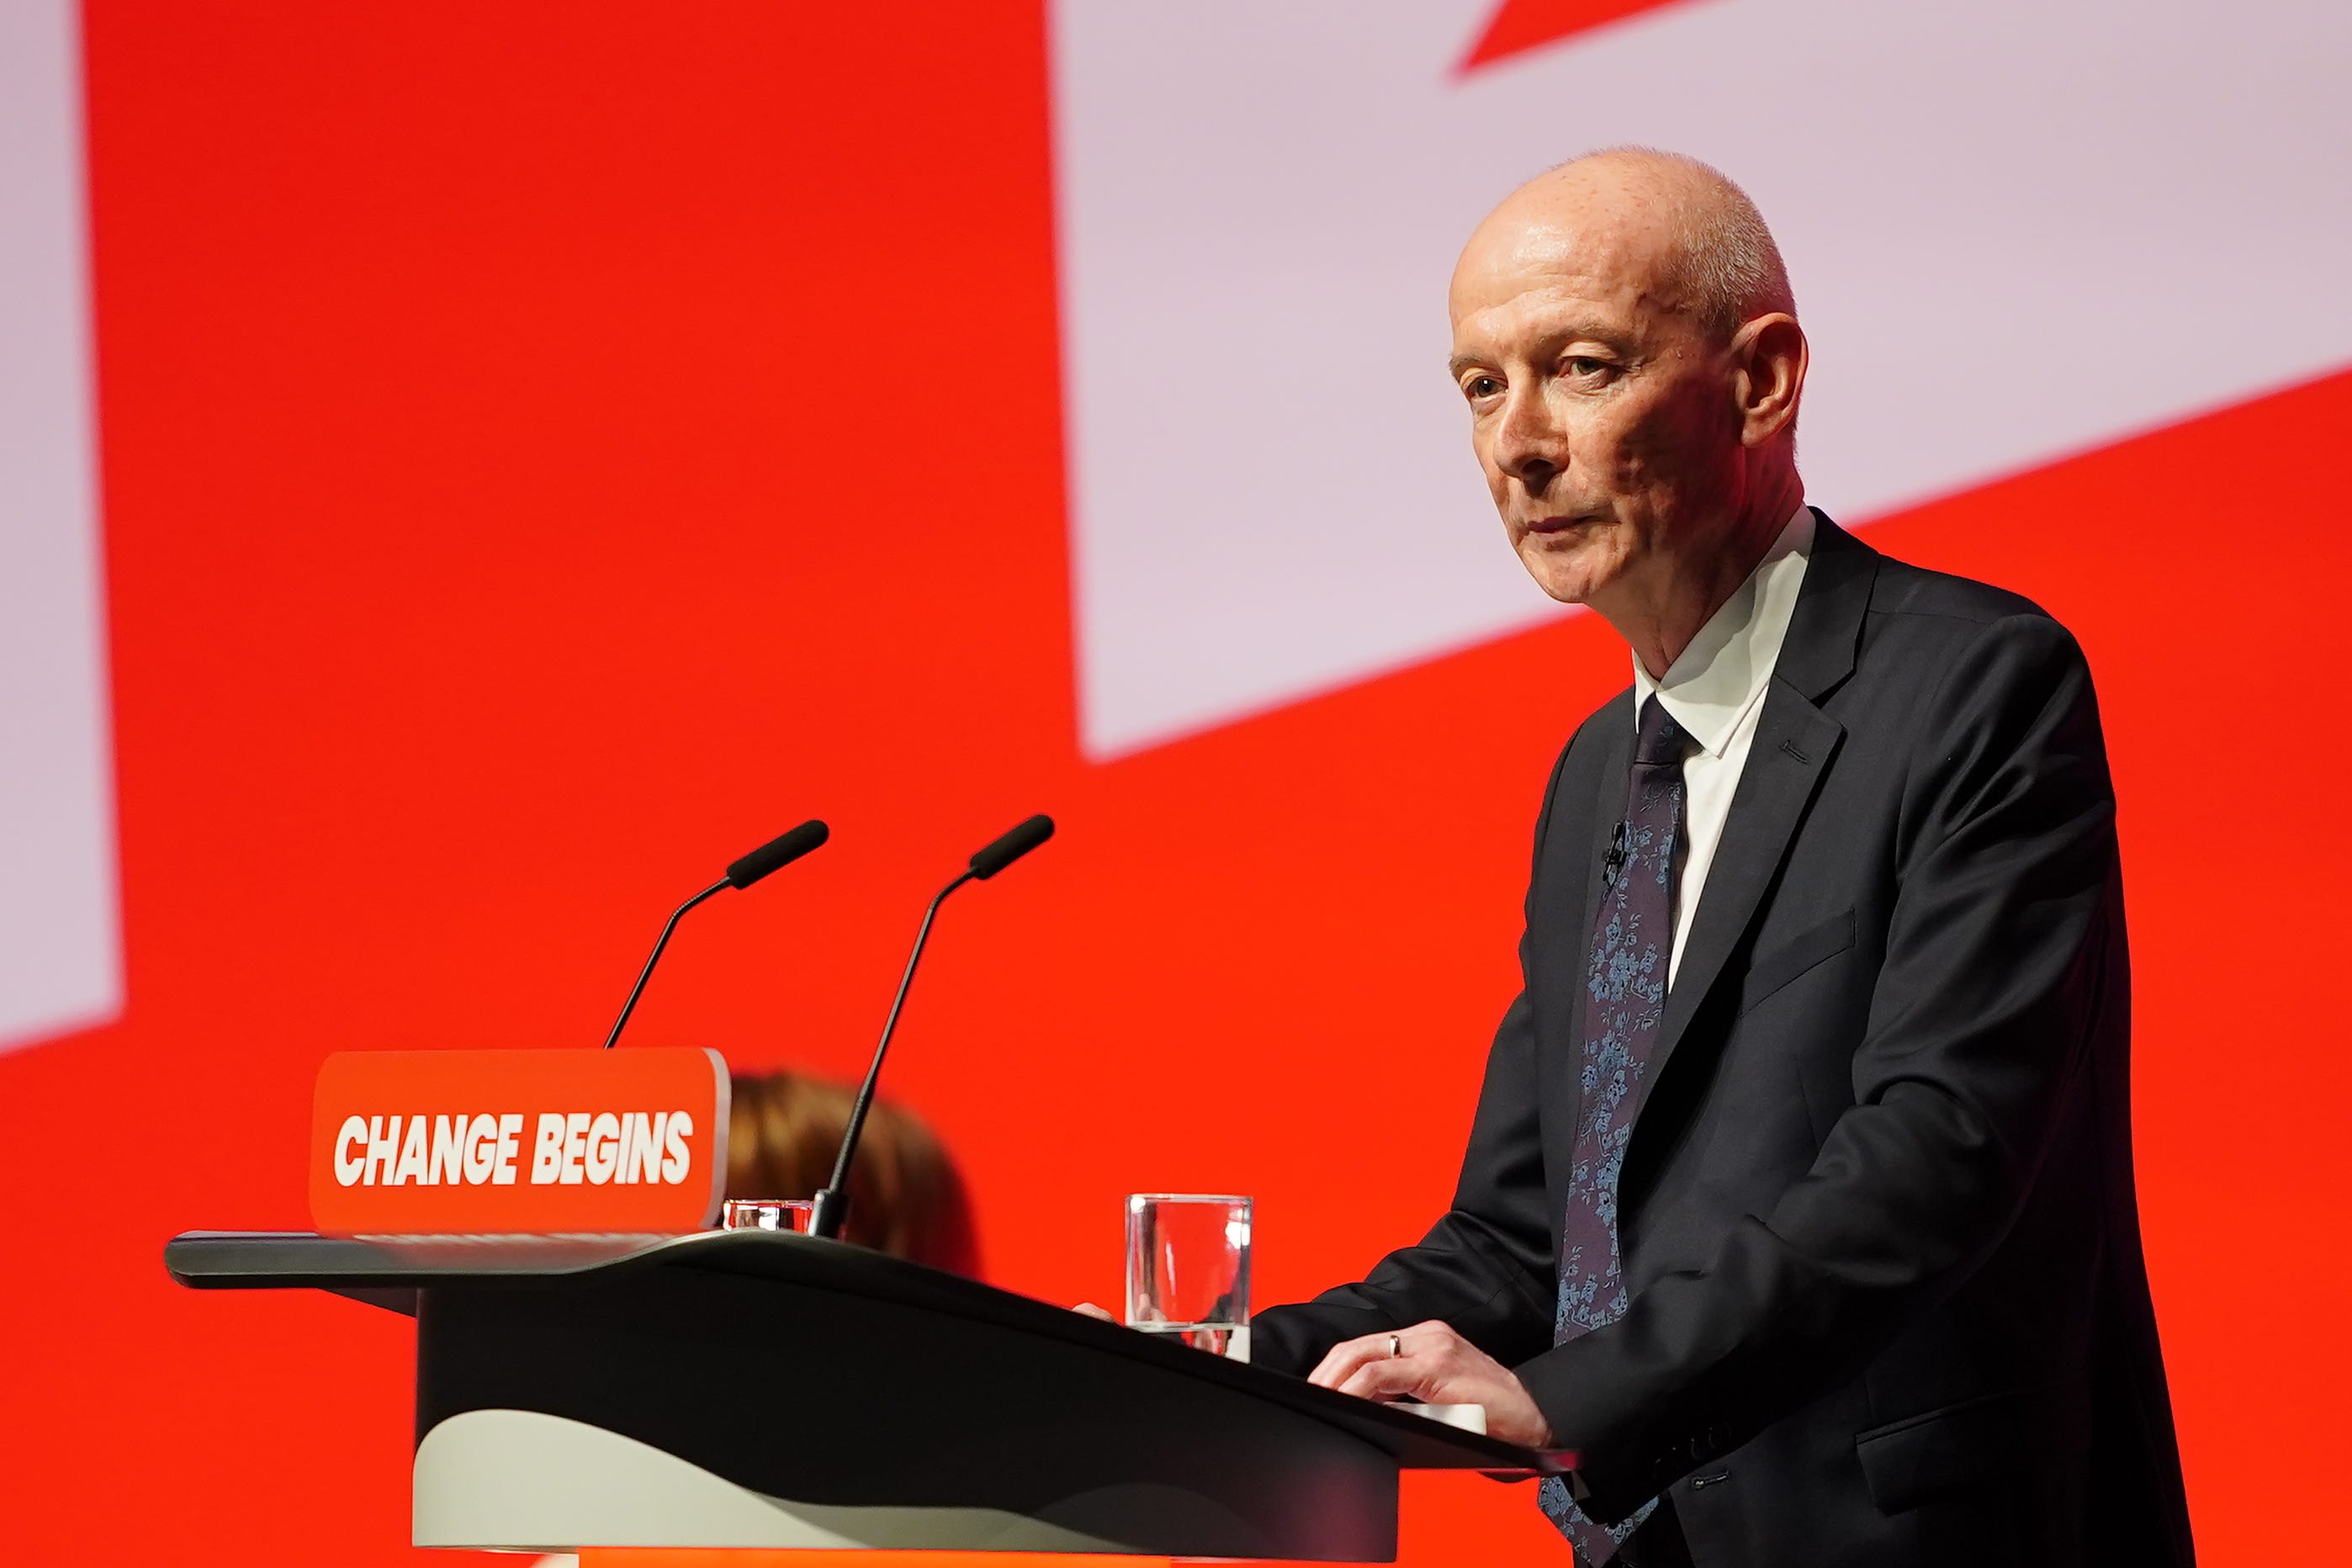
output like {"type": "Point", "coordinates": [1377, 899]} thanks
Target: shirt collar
{"type": "Point", "coordinates": [1724, 671]}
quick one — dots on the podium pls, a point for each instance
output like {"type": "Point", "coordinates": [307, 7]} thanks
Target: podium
{"type": "Point", "coordinates": [758, 1389]}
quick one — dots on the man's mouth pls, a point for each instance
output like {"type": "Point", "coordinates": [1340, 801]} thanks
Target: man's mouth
{"type": "Point", "coordinates": [1550, 525]}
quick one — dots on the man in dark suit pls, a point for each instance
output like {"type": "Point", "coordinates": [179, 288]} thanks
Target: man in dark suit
{"type": "Point", "coordinates": [1798, 1200]}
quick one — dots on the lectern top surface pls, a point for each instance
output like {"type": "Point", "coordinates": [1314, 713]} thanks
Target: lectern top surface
{"type": "Point", "coordinates": [390, 1272]}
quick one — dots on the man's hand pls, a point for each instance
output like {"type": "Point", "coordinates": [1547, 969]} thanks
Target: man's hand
{"type": "Point", "coordinates": [1431, 1362]}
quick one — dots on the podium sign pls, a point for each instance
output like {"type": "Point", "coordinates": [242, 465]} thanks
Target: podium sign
{"type": "Point", "coordinates": [517, 1143]}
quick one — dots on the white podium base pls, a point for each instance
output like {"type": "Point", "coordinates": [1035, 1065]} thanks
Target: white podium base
{"type": "Point", "coordinates": [516, 1480]}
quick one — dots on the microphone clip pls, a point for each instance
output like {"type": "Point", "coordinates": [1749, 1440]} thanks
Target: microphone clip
{"type": "Point", "coordinates": [1613, 865]}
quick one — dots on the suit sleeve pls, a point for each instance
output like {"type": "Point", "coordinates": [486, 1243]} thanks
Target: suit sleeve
{"type": "Point", "coordinates": [1486, 1266]}
{"type": "Point", "coordinates": [1979, 1029]}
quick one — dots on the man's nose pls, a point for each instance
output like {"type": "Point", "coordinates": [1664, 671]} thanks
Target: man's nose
{"type": "Point", "coordinates": [1529, 445]}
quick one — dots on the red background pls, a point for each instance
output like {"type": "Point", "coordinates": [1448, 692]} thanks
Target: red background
{"type": "Point", "coordinates": [550, 447]}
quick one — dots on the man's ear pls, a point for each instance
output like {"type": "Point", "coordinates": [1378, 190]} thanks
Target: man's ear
{"type": "Point", "coordinates": [1769, 357]}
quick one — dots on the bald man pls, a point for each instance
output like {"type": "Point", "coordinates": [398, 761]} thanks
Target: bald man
{"type": "Point", "coordinates": [1799, 1199]}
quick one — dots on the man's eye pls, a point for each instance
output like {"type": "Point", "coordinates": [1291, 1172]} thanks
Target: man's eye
{"type": "Point", "coordinates": [1482, 386]}
{"type": "Point", "coordinates": [1580, 365]}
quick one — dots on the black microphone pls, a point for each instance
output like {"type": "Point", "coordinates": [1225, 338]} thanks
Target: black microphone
{"type": "Point", "coordinates": [773, 856]}
{"type": "Point", "coordinates": [833, 1202]}
{"type": "Point", "coordinates": [777, 853]}
{"type": "Point", "coordinates": [988, 862]}
{"type": "Point", "coordinates": [1620, 851]}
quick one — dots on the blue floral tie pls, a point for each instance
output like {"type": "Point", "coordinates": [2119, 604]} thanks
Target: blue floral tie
{"type": "Point", "coordinates": [1625, 991]}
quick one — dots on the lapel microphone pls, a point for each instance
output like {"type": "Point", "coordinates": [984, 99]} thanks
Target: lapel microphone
{"type": "Point", "coordinates": [1614, 861]}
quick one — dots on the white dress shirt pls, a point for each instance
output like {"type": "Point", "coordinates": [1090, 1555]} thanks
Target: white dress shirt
{"type": "Point", "coordinates": [1716, 692]}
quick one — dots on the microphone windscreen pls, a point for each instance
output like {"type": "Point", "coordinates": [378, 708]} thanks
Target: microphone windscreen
{"type": "Point", "coordinates": [1011, 846]}
{"type": "Point", "coordinates": [778, 853]}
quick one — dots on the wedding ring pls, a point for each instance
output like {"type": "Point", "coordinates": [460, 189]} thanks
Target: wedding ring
{"type": "Point", "coordinates": [1396, 1346]}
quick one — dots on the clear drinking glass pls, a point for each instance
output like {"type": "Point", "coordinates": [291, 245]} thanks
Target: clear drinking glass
{"type": "Point", "coordinates": [1188, 1258]}
{"type": "Point", "coordinates": [768, 1213]}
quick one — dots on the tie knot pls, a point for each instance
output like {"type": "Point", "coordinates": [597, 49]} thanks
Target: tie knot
{"type": "Point", "coordinates": [1659, 741]}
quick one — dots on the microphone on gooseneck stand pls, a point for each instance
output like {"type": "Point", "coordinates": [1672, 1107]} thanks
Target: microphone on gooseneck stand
{"type": "Point", "coordinates": [773, 856]}
{"type": "Point", "coordinates": [833, 1202]}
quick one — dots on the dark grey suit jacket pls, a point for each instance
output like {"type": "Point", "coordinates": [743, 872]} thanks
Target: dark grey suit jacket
{"type": "Point", "coordinates": [1888, 1305]}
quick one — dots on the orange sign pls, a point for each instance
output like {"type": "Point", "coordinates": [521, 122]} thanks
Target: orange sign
{"type": "Point", "coordinates": [556, 1143]}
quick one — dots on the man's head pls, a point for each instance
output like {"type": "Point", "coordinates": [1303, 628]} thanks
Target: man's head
{"type": "Point", "coordinates": [1625, 337]}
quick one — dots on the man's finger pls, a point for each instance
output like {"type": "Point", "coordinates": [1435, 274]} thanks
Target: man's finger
{"type": "Point", "coordinates": [1087, 1309]}
{"type": "Point", "coordinates": [1344, 1358]}
{"type": "Point", "coordinates": [1390, 1376]}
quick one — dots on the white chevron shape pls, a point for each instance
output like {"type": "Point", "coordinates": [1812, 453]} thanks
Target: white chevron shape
{"type": "Point", "coordinates": [2017, 228]}
{"type": "Point", "coordinates": [60, 961]}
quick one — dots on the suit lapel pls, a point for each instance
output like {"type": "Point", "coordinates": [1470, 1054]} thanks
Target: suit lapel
{"type": "Point", "coordinates": [1793, 744]}
{"type": "Point", "coordinates": [1612, 770]}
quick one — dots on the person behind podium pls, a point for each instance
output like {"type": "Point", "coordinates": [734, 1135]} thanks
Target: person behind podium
{"type": "Point", "coordinates": [905, 1195]}
{"type": "Point", "coordinates": [1798, 1197]}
